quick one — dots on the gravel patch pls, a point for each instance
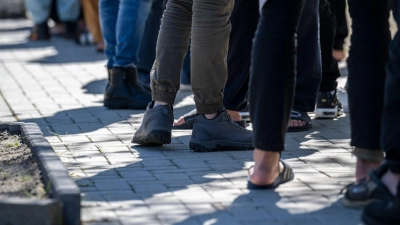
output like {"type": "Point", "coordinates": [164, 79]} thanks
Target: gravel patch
{"type": "Point", "coordinates": [19, 173]}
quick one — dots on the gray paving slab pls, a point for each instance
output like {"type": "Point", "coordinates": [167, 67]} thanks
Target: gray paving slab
{"type": "Point", "coordinates": [60, 85]}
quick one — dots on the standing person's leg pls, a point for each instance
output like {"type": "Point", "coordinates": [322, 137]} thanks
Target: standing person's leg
{"type": "Point", "coordinates": [388, 212]}
{"type": "Point", "coordinates": [40, 12]}
{"type": "Point", "coordinates": [338, 8]}
{"type": "Point", "coordinates": [123, 25]}
{"type": "Point", "coordinates": [213, 129]}
{"type": "Point", "coordinates": [272, 82]}
{"type": "Point", "coordinates": [244, 20]}
{"type": "Point", "coordinates": [366, 64]}
{"type": "Point", "coordinates": [147, 52]}
{"type": "Point", "coordinates": [328, 105]}
{"type": "Point", "coordinates": [172, 44]}
{"type": "Point", "coordinates": [308, 67]}
{"type": "Point", "coordinates": [91, 15]}
{"type": "Point", "coordinates": [69, 11]}
{"type": "Point", "coordinates": [108, 10]}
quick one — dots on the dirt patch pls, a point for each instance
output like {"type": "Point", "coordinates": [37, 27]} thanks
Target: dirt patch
{"type": "Point", "coordinates": [19, 173]}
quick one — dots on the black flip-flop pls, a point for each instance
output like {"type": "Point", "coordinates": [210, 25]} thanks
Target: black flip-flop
{"type": "Point", "coordinates": [302, 116]}
{"type": "Point", "coordinates": [285, 176]}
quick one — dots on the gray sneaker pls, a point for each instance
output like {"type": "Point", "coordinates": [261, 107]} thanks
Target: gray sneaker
{"type": "Point", "coordinates": [156, 126]}
{"type": "Point", "coordinates": [220, 133]}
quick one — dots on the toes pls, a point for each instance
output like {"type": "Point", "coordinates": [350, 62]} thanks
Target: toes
{"type": "Point", "coordinates": [296, 123]}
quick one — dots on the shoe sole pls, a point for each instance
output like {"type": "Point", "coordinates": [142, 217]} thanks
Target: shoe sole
{"type": "Point", "coordinates": [357, 204]}
{"type": "Point", "coordinates": [370, 221]}
{"type": "Point", "coordinates": [154, 138]}
{"type": "Point", "coordinates": [117, 104]}
{"type": "Point", "coordinates": [213, 146]}
{"type": "Point", "coordinates": [326, 113]}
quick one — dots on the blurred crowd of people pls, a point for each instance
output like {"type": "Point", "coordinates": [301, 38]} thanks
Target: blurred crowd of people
{"type": "Point", "coordinates": [277, 59]}
{"type": "Point", "coordinates": [73, 19]}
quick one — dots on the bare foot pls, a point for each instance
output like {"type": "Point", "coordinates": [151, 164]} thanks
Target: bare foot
{"type": "Point", "coordinates": [296, 123]}
{"type": "Point", "coordinates": [363, 167]}
{"type": "Point", "coordinates": [266, 167]}
{"type": "Point", "coordinates": [339, 55]}
{"type": "Point", "coordinates": [391, 181]}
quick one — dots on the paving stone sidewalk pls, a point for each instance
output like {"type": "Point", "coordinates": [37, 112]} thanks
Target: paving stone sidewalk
{"type": "Point", "coordinates": [59, 85]}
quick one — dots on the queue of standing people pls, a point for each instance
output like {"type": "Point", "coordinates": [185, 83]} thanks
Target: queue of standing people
{"type": "Point", "coordinates": [258, 55]}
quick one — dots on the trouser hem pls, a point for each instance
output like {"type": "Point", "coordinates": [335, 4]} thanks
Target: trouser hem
{"type": "Point", "coordinates": [208, 108]}
{"type": "Point", "coordinates": [163, 94]}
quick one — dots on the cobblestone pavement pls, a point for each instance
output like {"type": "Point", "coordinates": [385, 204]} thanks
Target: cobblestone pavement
{"type": "Point", "coordinates": [59, 85]}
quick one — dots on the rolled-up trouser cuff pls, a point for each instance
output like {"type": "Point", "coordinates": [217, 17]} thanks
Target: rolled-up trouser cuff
{"type": "Point", "coordinates": [162, 93]}
{"type": "Point", "coordinates": [372, 155]}
{"type": "Point", "coordinates": [208, 108]}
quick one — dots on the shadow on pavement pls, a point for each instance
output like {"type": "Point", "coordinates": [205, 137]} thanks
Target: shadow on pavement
{"type": "Point", "coordinates": [56, 50]}
{"type": "Point", "coordinates": [180, 187]}
{"type": "Point", "coordinates": [95, 87]}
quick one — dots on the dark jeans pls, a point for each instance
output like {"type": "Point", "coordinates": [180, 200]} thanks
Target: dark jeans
{"type": "Point", "coordinates": [391, 108]}
{"type": "Point", "coordinates": [207, 25]}
{"type": "Point", "coordinates": [338, 8]}
{"type": "Point", "coordinates": [147, 52]}
{"type": "Point", "coordinates": [273, 72]}
{"type": "Point", "coordinates": [330, 68]}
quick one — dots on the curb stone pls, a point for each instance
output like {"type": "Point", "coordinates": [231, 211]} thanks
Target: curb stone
{"type": "Point", "coordinates": [53, 171]}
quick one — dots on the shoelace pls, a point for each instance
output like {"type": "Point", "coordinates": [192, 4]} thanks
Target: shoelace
{"type": "Point", "coordinates": [235, 125]}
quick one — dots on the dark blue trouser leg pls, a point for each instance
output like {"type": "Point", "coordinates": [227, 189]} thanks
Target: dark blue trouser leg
{"type": "Point", "coordinates": [391, 110]}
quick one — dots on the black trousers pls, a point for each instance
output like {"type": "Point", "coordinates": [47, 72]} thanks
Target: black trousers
{"type": "Point", "coordinates": [273, 72]}
{"type": "Point", "coordinates": [374, 94]}
{"type": "Point", "coordinates": [244, 21]}
{"type": "Point", "coordinates": [338, 8]}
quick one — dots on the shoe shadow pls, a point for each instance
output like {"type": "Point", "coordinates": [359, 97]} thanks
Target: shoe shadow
{"type": "Point", "coordinates": [94, 118]}
{"type": "Point", "coordinates": [95, 87]}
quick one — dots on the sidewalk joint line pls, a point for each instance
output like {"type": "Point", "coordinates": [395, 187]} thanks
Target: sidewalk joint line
{"type": "Point", "coordinates": [8, 105]}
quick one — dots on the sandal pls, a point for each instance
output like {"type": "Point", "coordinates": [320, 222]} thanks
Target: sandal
{"type": "Point", "coordinates": [383, 213]}
{"type": "Point", "coordinates": [190, 118]}
{"type": "Point", "coordinates": [302, 116]}
{"type": "Point", "coordinates": [285, 176]}
{"type": "Point", "coordinates": [368, 191]}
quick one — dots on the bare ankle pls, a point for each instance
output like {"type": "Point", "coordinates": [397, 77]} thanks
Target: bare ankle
{"type": "Point", "coordinates": [266, 167]}
{"type": "Point", "coordinates": [156, 103]}
{"type": "Point", "coordinates": [210, 116]}
{"type": "Point", "coordinates": [363, 167]}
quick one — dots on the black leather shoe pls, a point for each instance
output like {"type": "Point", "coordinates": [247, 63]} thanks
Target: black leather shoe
{"type": "Point", "coordinates": [124, 91]}
{"type": "Point", "coordinates": [40, 32]}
